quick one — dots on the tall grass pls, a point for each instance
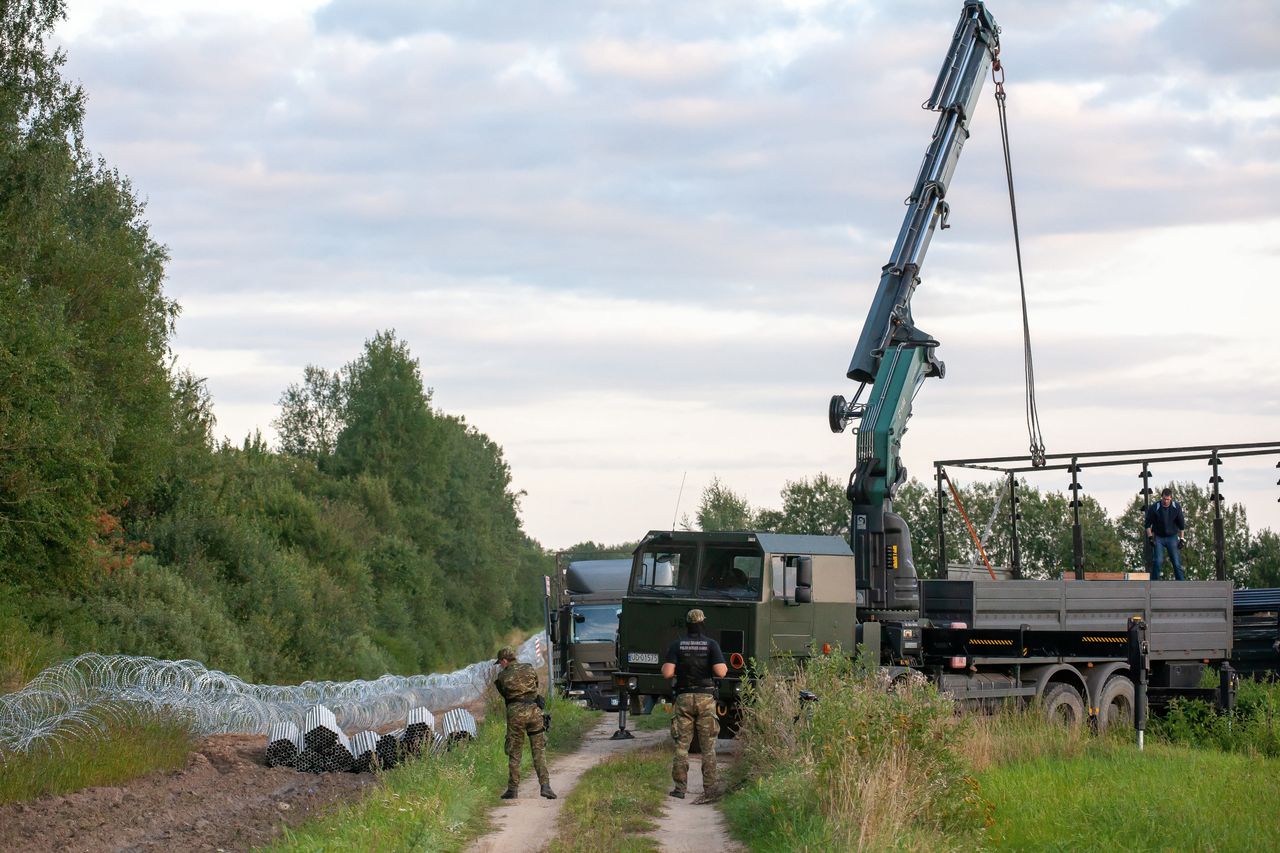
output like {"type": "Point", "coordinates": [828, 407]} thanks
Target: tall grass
{"type": "Point", "coordinates": [134, 745]}
{"type": "Point", "coordinates": [436, 804]}
{"type": "Point", "coordinates": [864, 768]}
{"type": "Point", "coordinates": [1253, 728]}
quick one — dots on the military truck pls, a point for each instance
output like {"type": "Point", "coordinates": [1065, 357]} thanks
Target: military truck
{"type": "Point", "coordinates": [586, 596]}
{"type": "Point", "coordinates": [768, 596]}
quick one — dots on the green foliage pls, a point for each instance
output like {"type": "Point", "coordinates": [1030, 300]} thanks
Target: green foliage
{"type": "Point", "coordinates": [722, 509]}
{"type": "Point", "coordinates": [614, 804]}
{"type": "Point", "coordinates": [819, 505]}
{"type": "Point", "coordinates": [1253, 728]}
{"type": "Point", "coordinates": [438, 803]}
{"type": "Point", "coordinates": [311, 414]}
{"type": "Point", "coordinates": [864, 768]}
{"type": "Point", "coordinates": [136, 743]}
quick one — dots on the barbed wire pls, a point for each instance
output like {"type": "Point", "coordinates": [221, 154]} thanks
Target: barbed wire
{"type": "Point", "coordinates": [87, 695]}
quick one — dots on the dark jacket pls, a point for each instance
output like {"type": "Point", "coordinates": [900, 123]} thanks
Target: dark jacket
{"type": "Point", "coordinates": [1165, 521]}
{"type": "Point", "coordinates": [695, 656]}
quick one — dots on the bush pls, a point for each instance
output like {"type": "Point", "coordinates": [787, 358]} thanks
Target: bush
{"type": "Point", "coordinates": [1252, 728]}
{"type": "Point", "coordinates": [866, 767]}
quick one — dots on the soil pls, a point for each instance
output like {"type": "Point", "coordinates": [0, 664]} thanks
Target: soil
{"type": "Point", "coordinates": [689, 828]}
{"type": "Point", "coordinates": [224, 799]}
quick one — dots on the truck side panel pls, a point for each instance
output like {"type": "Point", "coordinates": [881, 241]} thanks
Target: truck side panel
{"type": "Point", "coordinates": [1186, 620]}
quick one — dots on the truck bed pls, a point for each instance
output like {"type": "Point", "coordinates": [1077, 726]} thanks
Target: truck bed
{"type": "Point", "coordinates": [1188, 620]}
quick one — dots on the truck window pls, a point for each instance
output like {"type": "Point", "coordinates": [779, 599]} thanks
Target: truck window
{"type": "Point", "coordinates": [597, 623]}
{"type": "Point", "coordinates": [666, 570]}
{"type": "Point", "coordinates": [731, 572]}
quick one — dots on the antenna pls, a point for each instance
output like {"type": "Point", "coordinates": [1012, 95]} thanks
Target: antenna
{"type": "Point", "coordinates": [679, 495]}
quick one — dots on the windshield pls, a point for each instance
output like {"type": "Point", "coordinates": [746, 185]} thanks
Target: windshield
{"type": "Point", "coordinates": [666, 571]}
{"type": "Point", "coordinates": [731, 572]}
{"type": "Point", "coordinates": [595, 624]}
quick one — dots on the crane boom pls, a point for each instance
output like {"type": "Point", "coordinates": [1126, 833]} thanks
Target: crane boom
{"type": "Point", "coordinates": [894, 356]}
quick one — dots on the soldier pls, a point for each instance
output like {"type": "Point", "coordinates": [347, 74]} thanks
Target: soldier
{"type": "Point", "coordinates": [517, 683]}
{"type": "Point", "coordinates": [692, 660]}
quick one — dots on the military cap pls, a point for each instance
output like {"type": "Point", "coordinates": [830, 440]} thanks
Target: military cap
{"type": "Point", "coordinates": [695, 616]}
{"type": "Point", "coordinates": [505, 653]}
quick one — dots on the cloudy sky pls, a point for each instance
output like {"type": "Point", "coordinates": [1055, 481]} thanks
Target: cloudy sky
{"type": "Point", "coordinates": [634, 242]}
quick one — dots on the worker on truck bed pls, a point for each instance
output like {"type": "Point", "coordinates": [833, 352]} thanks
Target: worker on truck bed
{"type": "Point", "coordinates": [693, 660]}
{"type": "Point", "coordinates": [517, 683]}
{"type": "Point", "coordinates": [1165, 526]}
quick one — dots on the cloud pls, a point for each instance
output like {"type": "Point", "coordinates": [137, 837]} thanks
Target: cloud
{"type": "Point", "coordinates": [587, 219]}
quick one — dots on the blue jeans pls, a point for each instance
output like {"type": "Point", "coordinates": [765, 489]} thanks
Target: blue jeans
{"type": "Point", "coordinates": [1175, 556]}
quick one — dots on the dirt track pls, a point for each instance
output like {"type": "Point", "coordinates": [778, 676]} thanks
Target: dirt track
{"type": "Point", "coordinates": [225, 798]}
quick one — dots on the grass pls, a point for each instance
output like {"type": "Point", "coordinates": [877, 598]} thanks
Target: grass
{"type": "Point", "coordinates": [1112, 797]}
{"type": "Point", "coordinates": [436, 804]}
{"type": "Point", "coordinates": [658, 720]}
{"type": "Point", "coordinates": [614, 804]}
{"type": "Point", "coordinates": [132, 746]}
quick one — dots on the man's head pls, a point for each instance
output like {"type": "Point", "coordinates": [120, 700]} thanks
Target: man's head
{"type": "Point", "coordinates": [695, 617]}
{"type": "Point", "coordinates": [1166, 497]}
{"type": "Point", "coordinates": [505, 656]}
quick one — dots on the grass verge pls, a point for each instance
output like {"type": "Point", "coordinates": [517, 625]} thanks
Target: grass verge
{"type": "Point", "coordinates": [1112, 797]}
{"type": "Point", "coordinates": [657, 720]}
{"type": "Point", "coordinates": [614, 804]}
{"type": "Point", "coordinates": [134, 745]}
{"type": "Point", "coordinates": [436, 804]}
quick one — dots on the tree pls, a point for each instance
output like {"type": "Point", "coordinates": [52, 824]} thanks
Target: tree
{"type": "Point", "coordinates": [388, 429]}
{"type": "Point", "coordinates": [819, 505]}
{"type": "Point", "coordinates": [310, 419]}
{"type": "Point", "coordinates": [722, 509]}
{"type": "Point", "coordinates": [87, 407]}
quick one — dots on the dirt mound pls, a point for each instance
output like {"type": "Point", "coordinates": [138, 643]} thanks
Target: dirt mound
{"type": "Point", "coordinates": [225, 798]}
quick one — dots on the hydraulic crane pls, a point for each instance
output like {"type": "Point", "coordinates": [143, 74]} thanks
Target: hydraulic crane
{"type": "Point", "coordinates": [894, 356]}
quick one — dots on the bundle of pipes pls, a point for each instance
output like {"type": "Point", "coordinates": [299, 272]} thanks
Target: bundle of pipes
{"type": "Point", "coordinates": [459, 725]}
{"type": "Point", "coordinates": [283, 745]}
{"type": "Point", "coordinates": [420, 726]}
{"type": "Point", "coordinates": [320, 746]}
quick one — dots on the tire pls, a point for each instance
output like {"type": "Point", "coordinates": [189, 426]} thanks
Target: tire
{"type": "Point", "coordinates": [1063, 704]}
{"type": "Point", "coordinates": [1115, 704]}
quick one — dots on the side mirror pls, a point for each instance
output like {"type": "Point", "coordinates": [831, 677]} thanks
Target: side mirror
{"type": "Point", "coordinates": [555, 616]}
{"type": "Point", "coordinates": [804, 580]}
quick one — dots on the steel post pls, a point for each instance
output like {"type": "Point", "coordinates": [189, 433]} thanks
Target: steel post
{"type": "Point", "coordinates": [939, 476]}
{"type": "Point", "coordinates": [1015, 549]}
{"type": "Point", "coordinates": [1077, 532]}
{"type": "Point", "coordinates": [1219, 537]}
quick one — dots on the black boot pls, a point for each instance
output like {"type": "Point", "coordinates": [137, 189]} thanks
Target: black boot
{"type": "Point", "coordinates": [547, 792]}
{"type": "Point", "coordinates": [677, 793]}
{"type": "Point", "coordinates": [510, 793]}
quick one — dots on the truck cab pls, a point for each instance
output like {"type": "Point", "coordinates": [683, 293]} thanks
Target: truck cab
{"type": "Point", "coordinates": [586, 601]}
{"type": "Point", "coordinates": [765, 595]}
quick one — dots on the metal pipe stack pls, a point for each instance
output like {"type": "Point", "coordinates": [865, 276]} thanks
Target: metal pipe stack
{"type": "Point", "coordinates": [363, 745]}
{"type": "Point", "coordinates": [418, 728]}
{"type": "Point", "coordinates": [283, 745]}
{"type": "Point", "coordinates": [459, 725]}
{"type": "Point", "coordinates": [330, 747]}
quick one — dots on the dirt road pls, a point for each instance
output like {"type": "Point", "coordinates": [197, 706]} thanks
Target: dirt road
{"type": "Point", "coordinates": [529, 823]}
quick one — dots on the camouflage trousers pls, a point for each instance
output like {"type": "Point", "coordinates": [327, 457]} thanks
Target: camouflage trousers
{"type": "Point", "coordinates": [694, 712]}
{"type": "Point", "coordinates": [524, 719]}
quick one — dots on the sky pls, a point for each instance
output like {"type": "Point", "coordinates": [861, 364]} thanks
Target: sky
{"type": "Point", "coordinates": [635, 242]}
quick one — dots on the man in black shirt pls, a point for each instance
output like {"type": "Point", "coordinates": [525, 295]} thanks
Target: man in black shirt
{"type": "Point", "coordinates": [1165, 526]}
{"type": "Point", "coordinates": [694, 660]}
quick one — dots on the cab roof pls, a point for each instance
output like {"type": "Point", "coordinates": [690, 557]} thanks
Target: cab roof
{"type": "Point", "coordinates": [772, 543]}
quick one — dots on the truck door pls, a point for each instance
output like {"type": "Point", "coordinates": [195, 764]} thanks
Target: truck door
{"type": "Point", "coordinates": [790, 623]}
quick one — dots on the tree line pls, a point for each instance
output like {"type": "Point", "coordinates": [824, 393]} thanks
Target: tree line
{"type": "Point", "coordinates": [819, 504]}
{"type": "Point", "coordinates": [383, 535]}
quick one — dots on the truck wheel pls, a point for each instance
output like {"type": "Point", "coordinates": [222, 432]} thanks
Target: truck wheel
{"type": "Point", "coordinates": [730, 718]}
{"type": "Point", "coordinates": [1062, 704]}
{"type": "Point", "coordinates": [1115, 705]}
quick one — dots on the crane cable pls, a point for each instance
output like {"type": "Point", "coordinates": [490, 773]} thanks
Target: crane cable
{"type": "Point", "coordinates": [1028, 368]}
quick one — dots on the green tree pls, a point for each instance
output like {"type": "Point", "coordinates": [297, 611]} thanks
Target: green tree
{"type": "Point", "coordinates": [817, 505]}
{"type": "Point", "coordinates": [311, 414]}
{"type": "Point", "coordinates": [722, 509]}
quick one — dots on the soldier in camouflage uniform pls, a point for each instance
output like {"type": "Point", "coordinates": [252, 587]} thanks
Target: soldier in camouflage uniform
{"type": "Point", "coordinates": [517, 683]}
{"type": "Point", "coordinates": [693, 660]}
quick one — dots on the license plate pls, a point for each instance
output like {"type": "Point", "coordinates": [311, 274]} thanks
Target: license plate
{"type": "Point", "coordinates": [642, 657]}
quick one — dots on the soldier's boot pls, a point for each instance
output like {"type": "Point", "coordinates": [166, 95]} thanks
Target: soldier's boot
{"type": "Point", "coordinates": [512, 790]}
{"type": "Point", "coordinates": [677, 793]}
{"type": "Point", "coordinates": [710, 795]}
{"type": "Point", "coordinates": [547, 792]}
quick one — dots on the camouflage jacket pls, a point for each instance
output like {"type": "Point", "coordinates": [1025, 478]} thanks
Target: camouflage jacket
{"type": "Point", "coordinates": [517, 683]}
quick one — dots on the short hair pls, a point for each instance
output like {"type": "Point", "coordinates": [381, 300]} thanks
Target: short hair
{"type": "Point", "coordinates": [1166, 493]}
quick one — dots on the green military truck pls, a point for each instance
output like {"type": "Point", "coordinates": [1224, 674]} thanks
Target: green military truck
{"type": "Point", "coordinates": [586, 596]}
{"type": "Point", "coordinates": [1066, 641]}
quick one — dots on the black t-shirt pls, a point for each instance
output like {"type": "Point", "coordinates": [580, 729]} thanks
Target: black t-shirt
{"type": "Point", "coordinates": [694, 655]}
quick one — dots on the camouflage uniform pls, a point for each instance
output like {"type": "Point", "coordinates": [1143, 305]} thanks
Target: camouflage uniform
{"type": "Point", "coordinates": [694, 712]}
{"type": "Point", "coordinates": [518, 685]}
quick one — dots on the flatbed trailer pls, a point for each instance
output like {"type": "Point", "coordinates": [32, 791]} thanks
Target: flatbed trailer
{"type": "Point", "coordinates": [1256, 648]}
